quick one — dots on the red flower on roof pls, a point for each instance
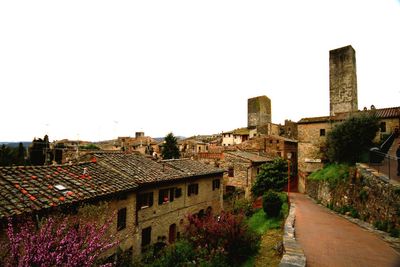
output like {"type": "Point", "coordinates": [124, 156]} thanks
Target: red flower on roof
{"type": "Point", "coordinates": [32, 198]}
{"type": "Point", "coordinates": [61, 198]}
{"type": "Point", "coordinates": [16, 185]}
{"type": "Point", "coordinates": [50, 186]}
{"type": "Point", "coordinates": [70, 193]}
{"type": "Point", "coordinates": [94, 160]}
{"type": "Point", "coordinates": [23, 191]}
{"type": "Point", "coordinates": [33, 176]}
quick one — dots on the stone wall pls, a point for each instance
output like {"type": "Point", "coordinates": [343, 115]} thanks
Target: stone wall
{"type": "Point", "coordinates": [161, 216]}
{"type": "Point", "coordinates": [371, 195]}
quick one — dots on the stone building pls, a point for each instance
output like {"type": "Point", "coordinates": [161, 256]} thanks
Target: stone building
{"type": "Point", "coordinates": [312, 132]}
{"type": "Point", "coordinates": [151, 199]}
{"type": "Point", "coordinates": [243, 168]}
{"type": "Point", "coordinates": [237, 136]}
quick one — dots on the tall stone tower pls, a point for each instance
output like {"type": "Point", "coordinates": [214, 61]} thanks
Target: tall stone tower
{"type": "Point", "coordinates": [342, 80]}
{"type": "Point", "coordinates": [258, 111]}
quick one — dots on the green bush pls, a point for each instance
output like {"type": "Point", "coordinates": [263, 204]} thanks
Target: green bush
{"type": "Point", "coordinates": [271, 176]}
{"type": "Point", "coordinates": [272, 203]}
{"type": "Point", "coordinates": [243, 206]}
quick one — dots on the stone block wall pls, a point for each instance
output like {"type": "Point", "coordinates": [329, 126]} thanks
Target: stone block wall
{"type": "Point", "coordinates": [375, 198]}
{"type": "Point", "coordinates": [161, 216]}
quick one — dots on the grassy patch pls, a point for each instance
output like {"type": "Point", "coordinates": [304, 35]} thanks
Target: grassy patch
{"type": "Point", "coordinates": [271, 229]}
{"type": "Point", "coordinates": [332, 173]}
{"type": "Point", "coordinates": [260, 223]}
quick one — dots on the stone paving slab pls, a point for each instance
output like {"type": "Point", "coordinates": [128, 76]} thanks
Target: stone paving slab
{"type": "Point", "coordinates": [331, 240]}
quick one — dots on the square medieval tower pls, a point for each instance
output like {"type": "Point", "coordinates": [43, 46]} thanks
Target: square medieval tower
{"type": "Point", "coordinates": [258, 111]}
{"type": "Point", "coordinates": [342, 80]}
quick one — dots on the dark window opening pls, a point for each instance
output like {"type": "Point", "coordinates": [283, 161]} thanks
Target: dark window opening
{"type": "Point", "coordinates": [166, 195]}
{"type": "Point", "coordinates": [216, 184]}
{"type": "Point", "coordinates": [322, 132]}
{"type": "Point", "coordinates": [193, 189]}
{"type": "Point", "coordinates": [121, 222]}
{"type": "Point", "coordinates": [145, 200]}
{"type": "Point", "coordinates": [231, 172]}
{"type": "Point", "coordinates": [172, 233]}
{"type": "Point", "coordinates": [382, 126]}
{"type": "Point", "coordinates": [146, 237]}
{"type": "Point", "coordinates": [178, 192]}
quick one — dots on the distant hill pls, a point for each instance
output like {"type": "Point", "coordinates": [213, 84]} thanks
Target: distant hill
{"type": "Point", "coordinates": [26, 144]}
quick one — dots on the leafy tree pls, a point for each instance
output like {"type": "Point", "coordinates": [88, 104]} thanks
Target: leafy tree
{"type": "Point", "coordinates": [271, 176]}
{"type": "Point", "coordinates": [38, 150]}
{"type": "Point", "coordinates": [12, 155]}
{"type": "Point", "coordinates": [351, 139]}
{"type": "Point", "coordinates": [170, 148]}
{"type": "Point", "coordinates": [66, 241]}
{"type": "Point", "coordinates": [5, 155]}
{"type": "Point", "coordinates": [20, 155]}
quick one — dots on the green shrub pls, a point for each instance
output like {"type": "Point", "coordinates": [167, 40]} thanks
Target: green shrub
{"type": "Point", "coordinates": [272, 203]}
{"type": "Point", "coordinates": [243, 206]}
{"type": "Point", "coordinates": [395, 232]}
{"type": "Point", "coordinates": [272, 176]}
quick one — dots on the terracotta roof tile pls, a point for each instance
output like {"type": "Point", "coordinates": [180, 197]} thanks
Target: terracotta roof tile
{"type": "Point", "coordinates": [383, 113]}
{"type": "Point", "coordinates": [249, 156]}
{"type": "Point", "coordinates": [32, 188]}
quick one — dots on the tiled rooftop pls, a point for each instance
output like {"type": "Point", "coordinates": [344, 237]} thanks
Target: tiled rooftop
{"type": "Point", "coordinates": [382, 113]}
{"type": "Point", "coordinates": [192, 167]}
{"type": "Point", "coordinates": [32, 188]}
{"type": "Point", "coordinates": [249, 156]}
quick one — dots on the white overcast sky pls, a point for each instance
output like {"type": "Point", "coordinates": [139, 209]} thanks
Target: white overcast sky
{"type": "Point", "coordinates": [95, 70]}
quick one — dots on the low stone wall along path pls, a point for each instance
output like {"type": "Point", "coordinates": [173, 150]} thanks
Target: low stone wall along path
{"type": "Point", "coordinates": [330, 240]}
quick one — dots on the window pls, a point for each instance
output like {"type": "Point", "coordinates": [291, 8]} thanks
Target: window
{"type": "Point", "coordinates": [178, 192]}
{"type": "Point", "coordinates": [121, 222]}
{"type": "Point", "coordinates": [382, 126]}
{"type": "Point", "coordinates": [216, 184]}
{"type": "Point", "coordinates": [230, 172]}
{"type": "Point", "coordinates": [145, 200]}
{"type": "Point", "coordinates": [166, 195]}
{"type": "Point", "coordinates": [321, 132]}
{"type": "Point", "coordinates": [146, 237]}
{"type": "Point", "coordinates": [193, 189]}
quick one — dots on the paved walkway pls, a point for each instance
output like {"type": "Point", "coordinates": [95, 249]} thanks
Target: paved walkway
{"type": "Point", "coordinates": [330, 240]}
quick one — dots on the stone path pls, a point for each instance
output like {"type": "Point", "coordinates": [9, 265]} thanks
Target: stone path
{"type": "Point", "coordinates": [330, 240]}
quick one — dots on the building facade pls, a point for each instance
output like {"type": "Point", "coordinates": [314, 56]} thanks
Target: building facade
{"type": "Point", "coordinates": [150, 198]}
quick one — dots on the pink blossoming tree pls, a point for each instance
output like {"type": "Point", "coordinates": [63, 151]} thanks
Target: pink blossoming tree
{"type": "Point", "coordinates": [65, 241]}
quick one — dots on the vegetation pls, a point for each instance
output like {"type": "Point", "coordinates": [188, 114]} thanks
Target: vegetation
{"type": "Point", "coordinates": [271, 176]}
{"type": "Point", "coordinates": [223, 240]}
{"type": "Point", "coordinates": [64, 241]}
{"type": "Point", "coordinates": [90, 147]}
{"type": "Point", "coordinates": [170, 148]}
{"type": "Point", "coordinates": [272, 203]}
{"type": "Point", "coordinates": [12, 155]}
{"type": "Point", "coordinates": [332, 173]}
{"type": "Point", "coordinates": [272, 231]}
{"type": "Point", "coordinates": [38, 151]}
{"type": "Point", "coordinates": [349, 141]}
